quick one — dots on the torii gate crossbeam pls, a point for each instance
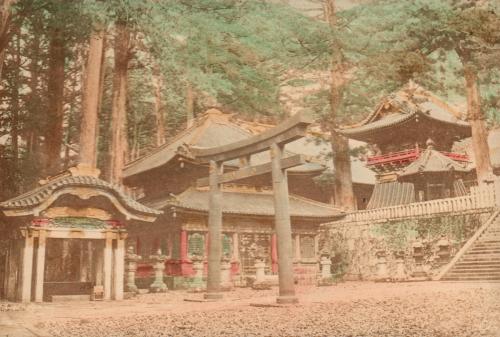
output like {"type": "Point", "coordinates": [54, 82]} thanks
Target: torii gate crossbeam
{"type": "Point", "coordinates": [274, 140]}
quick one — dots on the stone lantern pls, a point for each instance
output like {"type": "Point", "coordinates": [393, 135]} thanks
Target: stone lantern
{"type": "Point", "coordinates": [158, 285]}
{"type": "Point", "coordinates": [400, 274]}
{"type": "Point", "coordinates": [326, 270]}
{"type": "Point", "coordinates": [260, 282]}
{"type": "Point", "coordinates": [382, 274]}
{"type": "Point", "coordinates": [130, 269]}
{"type": "Point", "coordinates": [444, 250]}
{"type": "Point", "coordinates": [418, 257]}
{"type": "Point", "coordinates": [260, 269]}
{"type": "Point", "coordinates": [197, 281]}
{"type": "Point", "coordinates": [225, 274]}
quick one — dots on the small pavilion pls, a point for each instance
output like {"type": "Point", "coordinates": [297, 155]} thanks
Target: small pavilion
{"type": "Point", "coordinates": [67, 237]}
{"type": "Point", "coordinates": [412, 133]}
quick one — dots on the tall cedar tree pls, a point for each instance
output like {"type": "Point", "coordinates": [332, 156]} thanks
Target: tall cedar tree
{"type": "Point", "coordinates": [118, 147]}
{"type": "Point", "coordinates": [90, 99]}
{"type": "Point", "coordinates": [5, 18]}
{"type": "Point", "coordinates": [343, 189]}
{"type": "Point", "coordinates": [53, 132]}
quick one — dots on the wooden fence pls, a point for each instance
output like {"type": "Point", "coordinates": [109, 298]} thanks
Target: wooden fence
{"type": "Point", "coordinates": [482, 197]}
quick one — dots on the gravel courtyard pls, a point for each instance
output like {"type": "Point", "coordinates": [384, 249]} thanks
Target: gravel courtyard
{"type": "Point", "coordinates": [347, 309]}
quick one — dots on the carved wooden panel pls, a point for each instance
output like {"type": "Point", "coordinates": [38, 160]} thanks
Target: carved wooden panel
{"type": "Point", "coordinates": [307, 247]}
{"type": "Point", "coordinates": [196, 244]}
{"type": "Point", "coordinates": [253, 245]}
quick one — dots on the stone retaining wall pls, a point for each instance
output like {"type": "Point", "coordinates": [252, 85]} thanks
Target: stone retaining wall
{"type": "Point", "coordinates": [353, 246]}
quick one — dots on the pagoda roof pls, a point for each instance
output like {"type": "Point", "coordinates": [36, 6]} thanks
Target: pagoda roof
{"type": "Point", "coordinates": [391, 193]}
{"type": "Point", "coordinates": [248, 202]}
{"type": "Point", "coordinates": [408, 104]}
{"type": "Point", "coordinates": [37, 200]}
{"type": "Point", "coordinates": [215, 128]}
{"type": "Point", "coordinates": [432, 161]}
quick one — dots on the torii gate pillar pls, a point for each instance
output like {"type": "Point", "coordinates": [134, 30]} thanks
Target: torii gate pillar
{"type": "Point", "coordinates": [283, 227]}
{"type": "Point", "coordinates": [214, 231]}
{"type": "Point", "coordinates": [273, 140]}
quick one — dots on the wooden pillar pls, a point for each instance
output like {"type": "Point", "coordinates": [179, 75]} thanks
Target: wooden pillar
{"type": "Point", "coordinates": [316, 245]}
{"type": "Point", "coordinates": [119, 268]}
{"type": "Point", "coordinates": [27, 269]}
{"type": "Point", "coordinates": [40, 266]}
{"type": "Point", "coordinates": [108, 254]}
{"type": "Point", "coordinates": [215, 232]}
{"type": "Point", "coordinates": [297, 247]}
{"type": "Point", "coordinates": [184, 245]}
{"type": "Point", "coordinates": [283, 228]}
{"type": "Point", "coordinates": [236, 248]}
{"type": "Point", "coordinates": [274, 254]}
{"type": "Point", "coordinates": [99, 265]}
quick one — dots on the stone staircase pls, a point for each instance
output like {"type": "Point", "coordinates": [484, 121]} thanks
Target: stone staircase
{"type": "Point", "coordinates": [479, 259]}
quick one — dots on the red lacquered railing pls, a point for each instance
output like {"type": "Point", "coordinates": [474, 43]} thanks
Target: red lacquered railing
{"type": "Point", "coordinates": [456, 156]}
{"type": "Point", "coordinates": [409, 156]}
{"type": "Point", "coordinates": [400, 156]}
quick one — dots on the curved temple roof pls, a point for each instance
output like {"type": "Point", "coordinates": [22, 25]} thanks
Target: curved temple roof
{"type": "Point", "coordinates": [40, 198]}
{"type": "Point", "coordinates": [249, 203]}
{"type": "Point", "coordinates": [409, 103]}
{"type": "Point", "coordinates": [433, 161]}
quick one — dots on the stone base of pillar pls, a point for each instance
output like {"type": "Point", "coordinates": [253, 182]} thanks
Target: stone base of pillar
{"type": "Point", "coordinates": [158, 287]}
{"type": "Point", "coordinates": [213, 296]}
{"type": "Point", "coordinates": [287, 300]}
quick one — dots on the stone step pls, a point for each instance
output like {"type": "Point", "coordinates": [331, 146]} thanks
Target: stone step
{"type": "Point", "coordinates": [479, 258]}
{"type": "Point", "coordinates": [486, 251]}
{"type": "Point", "coordinates": [488, 242]}
{"type": "Point", "coordinates": [482, 270]}
{"type": "Point", "coordinates": [474, 274]}
{"type": "Point", "coordinates": [70, 298]}
{"type": "Point", "coordinates": [488, 237]}
{"type": "Point", "coordinates": [471, 278]}
{"type": "Point", "coordinates": [476, 263]}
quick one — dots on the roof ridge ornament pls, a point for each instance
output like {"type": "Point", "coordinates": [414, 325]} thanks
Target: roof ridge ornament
{"type": "Point", "coordinates": [84, 170]}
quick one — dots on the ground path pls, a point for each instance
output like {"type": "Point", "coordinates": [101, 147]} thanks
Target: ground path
{"type": "Point", "coordinates": [347, 309]}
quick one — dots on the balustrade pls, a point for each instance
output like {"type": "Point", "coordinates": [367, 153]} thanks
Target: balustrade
{"type": "Point", "coordinates": [480, 197]}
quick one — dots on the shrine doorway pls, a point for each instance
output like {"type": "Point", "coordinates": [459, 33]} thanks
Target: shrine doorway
{"type": "Point", "coordinates": [254, 245]}
{"type": "Point", "coordinates": [72, 267]}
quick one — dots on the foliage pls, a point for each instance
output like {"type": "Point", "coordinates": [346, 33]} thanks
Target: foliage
{"type": "Point", "coordinates": [398, 234]}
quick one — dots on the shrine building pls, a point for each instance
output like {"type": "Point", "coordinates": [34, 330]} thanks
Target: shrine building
{"type": "Point", "coordinates": [67, 238]}
{"type": "Point", "coordinates": [166, 180]}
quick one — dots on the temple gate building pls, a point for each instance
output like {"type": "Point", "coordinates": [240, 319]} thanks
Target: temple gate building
{"type": "Point", "coordinates": [67, 238]}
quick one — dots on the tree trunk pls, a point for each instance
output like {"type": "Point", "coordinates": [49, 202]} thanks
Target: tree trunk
{"type": "Point", "coordinates": [90, 100]}
{"type": "Point", "coordinates": [189, 104]}
{"type": "Point", "coordinates": [343, 189]}
{"type": "Point", "coordinates": [119, 108]}
{"type": "Point", "coordinates": [5, 17]}
{"type": "Point", "coordinates": [34, 98]}
{"type": "Point", "coordinates": [14, 106]}
{"type": "Point", "coordinates": [160, 120]}
{"type": "Point", "coordinates": [54, 130]}
{"type": "Point", "coordinates": [478, 127]}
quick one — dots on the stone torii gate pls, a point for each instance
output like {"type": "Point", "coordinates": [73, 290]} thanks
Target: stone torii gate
{"type": "Point", "coordinates": [274, 140]}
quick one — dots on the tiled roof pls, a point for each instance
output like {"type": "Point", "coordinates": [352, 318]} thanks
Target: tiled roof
{"type": "Point", "coordinates": [410, 102]}
{"type": "Point", "coordinates": [248, 203]}
{"type": "Point", "coordinates": [433, 161]}
{"type": "Point", "coordinates": [391, 194]}
{"type": "Point", "coordinates": [42, 193]}
{"type": "Point", "coordinates": [215, 128]}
